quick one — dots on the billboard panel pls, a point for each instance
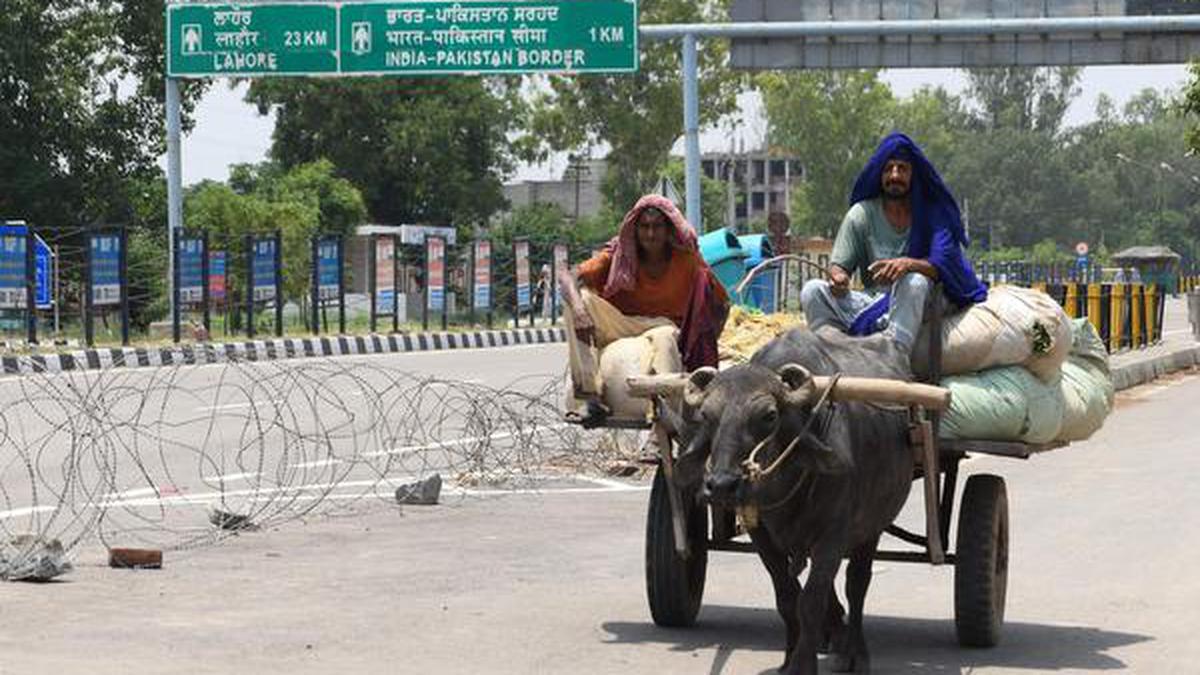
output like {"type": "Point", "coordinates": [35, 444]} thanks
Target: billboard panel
{"type": "Point", "coordinates": [1032, 48]}
{"type": "Point", "coordinates": [482, 272]}
{"type": "Point", "coordinates": [266, 283]}
{"type": "Point", "coordinates": [521, 262]}
{"type": "Point", "coordinates": [328, 279]}
{"type": "Point", "coordinates": [216, 276]}
{"type": "Point", "coordinates": [12, 266]}
{"type": "Point", "coordinates": [385, 273]}
{"type": "Point", "coordinates": [106, 269]}
{"type": "Point", "coordinates": [435, 273]}
{"type": "Point", "coordinates": [191, 270]}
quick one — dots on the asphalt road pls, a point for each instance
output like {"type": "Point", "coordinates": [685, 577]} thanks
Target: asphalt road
{"type": "Point", "coordinates": [1102, 578]}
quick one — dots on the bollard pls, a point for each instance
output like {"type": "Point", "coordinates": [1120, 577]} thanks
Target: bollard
{"type": "Point", "coordinates": [1137, 313]}
{"type": "Point", "coordinates": [1071, 300]}
{"type": "Point", "coordinates": [1193, 305]}
{"type": "Point", "coordinates": [1093, 310]}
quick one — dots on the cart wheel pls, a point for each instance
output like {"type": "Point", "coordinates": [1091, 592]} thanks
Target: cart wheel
{"type": "Point", "coordinates": [674, 585]}
{"type": "Point", "coordinates": [981, 570]}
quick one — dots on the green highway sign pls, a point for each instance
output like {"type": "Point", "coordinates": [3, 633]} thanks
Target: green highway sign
{"type": "Point", "coordinates": [401, 37]}
{"type": "Point", "coordinates": [247, 39]}
{"type": "Point", "coordinates": [489, 37]}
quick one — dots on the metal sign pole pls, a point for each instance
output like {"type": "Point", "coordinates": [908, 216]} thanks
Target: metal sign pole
{"type": "Point", "coordinates": [279, 297]}
{"type": "Point", "coordinates": [174, 294]}
{"type": "Point", "coordinates": [30, 292]}
{"type": "Point", "coordinates": [123, 275]}
{"type": "Point", "coordinates": [372, 282]}
{"type": "Point", "coordinates": [395, 284]}
{"type": "Point", "coordinates": [89, 329]}
{"type": "Point", "coordinates": [316, 288]}
{"type": "Point", "coordinates": [341, 263]}
{"type": "Point", "coordinates": [445, 247]}
{"type": "Point", "coordinates": [691, 129]}
{"type": "Point", "coordinates": [205, 272]}
{"type": "Point", "coordinates": [174, 192]}
{"type": "Point", "coordinates": [425, 299]}
{"type": "Point", "coordinates": [471, 286]}
{"type": "Point", "coordinates": [250, 244]}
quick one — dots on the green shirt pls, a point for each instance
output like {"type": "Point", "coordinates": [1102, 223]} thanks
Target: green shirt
{"type": "Point", "coordinates": [864, 237]}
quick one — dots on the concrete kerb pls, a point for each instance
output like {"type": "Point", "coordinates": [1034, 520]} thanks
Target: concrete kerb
{"type": "Point", "coordinates": [274, 349]}
{"type": "Point", "coordinates": [1128, 370]}
{"type": "Point", "coordinates": [1133, 369]}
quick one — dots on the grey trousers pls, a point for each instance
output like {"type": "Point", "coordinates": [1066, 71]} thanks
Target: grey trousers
{"type": "Point", "coordinates": [903, 320]}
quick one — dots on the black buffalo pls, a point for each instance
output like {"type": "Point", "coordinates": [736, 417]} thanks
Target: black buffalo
{"type": "Point", "coordinates": [831, 497]}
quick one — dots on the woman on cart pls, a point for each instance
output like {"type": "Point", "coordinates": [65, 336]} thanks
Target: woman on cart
{"type": "Point", "coordinates": [650, 275]}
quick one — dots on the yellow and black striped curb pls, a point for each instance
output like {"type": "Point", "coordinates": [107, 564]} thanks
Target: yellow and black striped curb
{"type": "Point", "coordinates": [273, 349]}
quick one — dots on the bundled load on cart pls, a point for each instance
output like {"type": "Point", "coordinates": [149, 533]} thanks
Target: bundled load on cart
{"type": "Point", "coordinates": [1019, 369]}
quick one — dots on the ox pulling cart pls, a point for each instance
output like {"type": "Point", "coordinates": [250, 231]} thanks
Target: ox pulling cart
{"type": "Point", "coordinates": [679, 535]}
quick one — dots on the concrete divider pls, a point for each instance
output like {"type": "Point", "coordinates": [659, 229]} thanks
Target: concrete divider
{"type": "Point", "coordinates": [274, 348]}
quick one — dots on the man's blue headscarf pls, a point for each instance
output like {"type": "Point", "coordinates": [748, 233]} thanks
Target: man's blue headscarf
{"type": "Point", "coordinates": [936, 233]}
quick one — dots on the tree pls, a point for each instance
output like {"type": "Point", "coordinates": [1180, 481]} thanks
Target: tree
{"type": "Point", "coordinates": [428, 150]}
{"type": "Point", "coordinates": [713, 202]}
{"type": "Point", "coordinates": [1026, 99]}
{"type": "Point", "coordinates": [300, 203]}
{"type": "Point", "coordinates": [832, 120]}
{"type": "Point", "coordinates": [1190, 105]}
{"type": "Point", "coordinates": [82, 86]}
{"type": "Point", "coordinates": [638, 115]}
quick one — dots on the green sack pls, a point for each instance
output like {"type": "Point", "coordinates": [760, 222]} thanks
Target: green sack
{"type": "Point", "coordinates": [1002, 404]}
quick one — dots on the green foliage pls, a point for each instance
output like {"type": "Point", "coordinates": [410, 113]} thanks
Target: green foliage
{"type": "Point", "coordinates": [81, 84]}
{"type": "Point", "coordinates": [833, 120]}
{"type": "Point", "coordinates": [713, 205]}
{"type": "Point", "coordinates": [300, 203]}
{"type": "Point", "coordinates": [1025, 99]}
{"type": "Point", "coordinates": [1028, 183]}
{"type": "Point", "coordinates": [147, 278]}
{"type": "Point", "coordinates": [1189, 104]}
{"type": "Point", "coordinates": [637, 115]}
{"type": "Point", "coordinates": [422, 150]}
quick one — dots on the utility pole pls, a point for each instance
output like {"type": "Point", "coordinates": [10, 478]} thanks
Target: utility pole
{"type": "Point", "coordinates": [576, 168]}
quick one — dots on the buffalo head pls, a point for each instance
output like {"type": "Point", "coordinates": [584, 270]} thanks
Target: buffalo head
{"type": "Point", "coordinates": [726, 415]}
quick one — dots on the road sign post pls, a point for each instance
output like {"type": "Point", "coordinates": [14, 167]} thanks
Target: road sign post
{"type": "Point", "coordinates": [30, 282]}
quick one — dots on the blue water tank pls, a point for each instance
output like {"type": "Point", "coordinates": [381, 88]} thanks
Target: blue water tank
{"type": "Point", "coordinates": [725, 255]}
{"type": "Point", "coordinates": [761, 291]}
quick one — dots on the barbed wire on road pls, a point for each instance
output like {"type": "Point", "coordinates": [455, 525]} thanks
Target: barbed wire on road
{"type": "Point", "coordinates": [180, 457]}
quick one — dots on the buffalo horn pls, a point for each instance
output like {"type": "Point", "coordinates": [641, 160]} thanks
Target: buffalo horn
{"type": "Point", "coordinates": [799, 382]}
{"type": "Point", "coordinates": [693, 391]}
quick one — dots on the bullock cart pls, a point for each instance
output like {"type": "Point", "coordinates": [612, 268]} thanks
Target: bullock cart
{"type": "Point", "coordinates": [681, 530]}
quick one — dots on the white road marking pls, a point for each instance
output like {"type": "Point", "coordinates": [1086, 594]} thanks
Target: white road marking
{"type": "Point", "coordinates": [137, 492]}
{"type": "Point", "coordinates": [460, 441]}
{"type": "Point", "coordinates": [231, 476]}
{"type": "Point", "coordinates": [293, 493]}
{"type": "Point", "coordinates": [331, 461]}
{"type": "Point", "coordinates": [229, 406]}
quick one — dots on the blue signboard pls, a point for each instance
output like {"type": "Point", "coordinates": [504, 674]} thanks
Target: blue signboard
{"type": "Point", "coordinates": [264, 270]}
{"type": "Point", "coordinates": [106, 269]}
{"type": "Point", "coordinates": [191, 270]}
{"type": "Point", "coordinates": [41, 266]}
{"type": "Point", "coordinates": [328, 279]}
{"type": "Point", "coordinates": [12, 265]}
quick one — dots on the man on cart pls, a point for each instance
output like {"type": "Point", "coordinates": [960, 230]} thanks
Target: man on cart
{"type": "Point", "coordinates": [902, 234]}
{"type": "Point", "coordinates": [650, 275]}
